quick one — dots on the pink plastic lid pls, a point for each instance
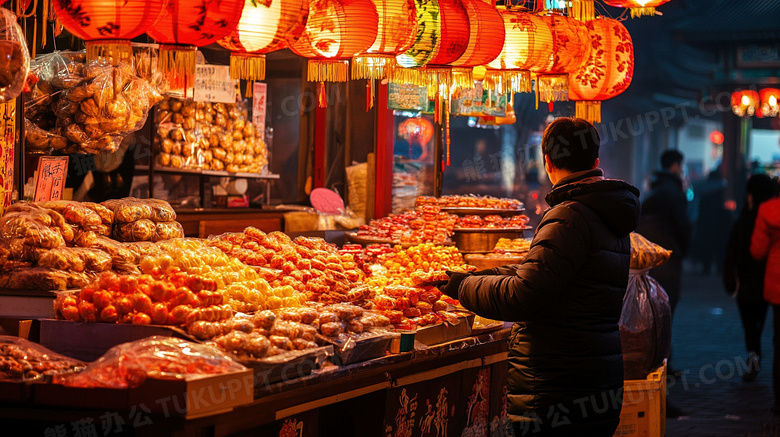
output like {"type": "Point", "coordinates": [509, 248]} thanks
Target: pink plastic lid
{"type": "Point", "coordinates": [326, 201]}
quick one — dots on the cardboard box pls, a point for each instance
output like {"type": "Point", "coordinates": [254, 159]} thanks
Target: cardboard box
{"type": "Point", "coordinates": [89, 341]}
{"type": "Point", "coordinates": [644, 406]}
{"type": "Point", "coordinates": [198, 396]}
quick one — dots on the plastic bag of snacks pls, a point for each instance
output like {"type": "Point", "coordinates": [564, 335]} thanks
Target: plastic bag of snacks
{"type": "Point", "coordinates": [14, 57]}
{"type": "Point", "coordinates": [646, 254]}
{"type": "Point", "coordinates": [129, 364]}
{"type": "Point", "coordinates": [24, 360]}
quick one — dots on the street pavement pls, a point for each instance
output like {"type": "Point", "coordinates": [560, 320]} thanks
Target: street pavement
{"type": "Point", "coordinates": [708, 349]}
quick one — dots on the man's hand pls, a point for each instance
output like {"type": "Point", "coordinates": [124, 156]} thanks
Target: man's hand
{"type": "Point", "coordinates": [452, 287]}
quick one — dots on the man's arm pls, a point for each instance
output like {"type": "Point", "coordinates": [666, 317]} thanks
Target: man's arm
{"type": "Point", "coordinates": [557, 253]}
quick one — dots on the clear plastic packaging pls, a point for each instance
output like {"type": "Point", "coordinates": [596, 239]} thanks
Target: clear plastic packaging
{"type": "Point", "coordinates": [14, 57]}
{"type": "Point", "coordinates": [21, 359]}
{"type": "Point", "coordinates": [77, 259]}
{"type": "Point", "coordinates": [32, 228]}
{"type": "Point", "coordinates": [131, 209]}
{"type": "Point", "coordinates": [645, 326]}
{"type": "Point", "coordinates": [646, 254]}
{"type": "Point", "coordinates": [129, 364]}
{"type": "Point", "coordinates": [75, 213]}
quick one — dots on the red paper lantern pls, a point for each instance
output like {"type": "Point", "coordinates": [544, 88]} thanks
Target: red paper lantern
{"type": "Point", "coordinates": [608, 70]}
{"type": "Point", "coordinates": [486, 34]}
{"type": "Point", "coordinates": [528, 43]}
{"type": "Point", "coordinates": [336, 31]}
{"type": "Point", "coordinates": [638, 7]}
{"type": "Point", "coordinates": [108, 26]}
{"type": "Point", "coordinates": [262, 28]}
{"type": "Point", "coordinates": [396, 33]}
{"type": "Point", "coordinates": [744, 103]}
{"type": "Point", "coordinates": [571, 48]}
{"type": "Point", "coordinates": [186, 25]}
{"type": "Point", "coordinates": [770, 102]}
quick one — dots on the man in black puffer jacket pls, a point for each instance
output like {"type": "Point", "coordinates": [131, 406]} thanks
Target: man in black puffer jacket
{"type": "Point", "coordinates": [565, 372]}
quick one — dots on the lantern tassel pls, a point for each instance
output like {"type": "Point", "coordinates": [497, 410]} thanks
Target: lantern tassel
{"type": "Point", "coordinates": [589, 110]}
{"type": "Point", "coordinates": [582, 10]}
{"type": "Point", "coordinates": [368, 95]}
{"type": "Point", "coordinates": [436, 109]}
{"type": "Point", "coordinates": [247, 66]}
{"type": "Point", "coordinates": [639, 12]}
{"type": "Point", "coordinates": [503, 81]}
{"type": "Point", "coordinates": [177, 64]}
{"type": "Point", "coordinates": [322, 98]}
{"type": "Point", "coordinates": [553, 88]}
{"type": "Point", "coordinates": [250, 85]}
{"type": "Point", "coordinates": [408, 76]}
{"type": "Point", "coordinates": [111, 51]}
{"type": "Point", "coordinates": [447, 128]}
{"type": "Point", "coordinates": [373, 67]}
{"type": "Point", "coordinates": [373, 92]}
{"type": "Point", "coordinates": [328, 70]}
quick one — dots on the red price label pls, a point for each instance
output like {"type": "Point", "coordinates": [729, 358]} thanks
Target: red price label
{"type": "Point", "coordinates": [50, 181]}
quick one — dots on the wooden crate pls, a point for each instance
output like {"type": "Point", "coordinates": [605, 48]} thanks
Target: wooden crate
{"type": "Point", "coordinates": [644, 406]}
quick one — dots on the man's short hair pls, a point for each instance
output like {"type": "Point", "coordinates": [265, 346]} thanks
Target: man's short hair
{"type": "Point", "coordinates": [671, 157]}
{"type": "Point", "coordinates": [571, 143]}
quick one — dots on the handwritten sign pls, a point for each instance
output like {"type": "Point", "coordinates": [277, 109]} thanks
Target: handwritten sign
{"type": "Point", "coordinates": [213, 84]}
{"type": "Point", "coordinates": [51, 178]}
{"type": "Point", "coordinates": [7, 141]}
{"type": "Point", "coordinates": [259, 106]}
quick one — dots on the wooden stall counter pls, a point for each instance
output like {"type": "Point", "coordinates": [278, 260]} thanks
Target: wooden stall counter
{"type": "Point", "coordinates": [214, 221]}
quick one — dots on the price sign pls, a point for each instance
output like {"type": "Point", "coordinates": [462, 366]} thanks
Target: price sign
{"type": "Point", "coordinates": [213, 84]}
{"type": "Point", "coordinates": [407, 97]}
{"type": "Point", "coordinates": [51, 178]}
{"type": "Point", "coordinates": [7, 141]}
{"type": "Point", "coordinates": [259, 106]}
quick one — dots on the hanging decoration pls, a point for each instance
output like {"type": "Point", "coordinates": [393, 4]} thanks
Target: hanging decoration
{"type": "Point", "coordinates": [336, 31]}
{"type": "Point", "coordinates": [186, 25]}
{"type": "Point", "coordinates": [608, 70]}
{"type": "Point", "coordinates": [395, 34]}
{"type": "Point", "coordinates": [263, 27]}
{"type": "Point", "coordinates": [770, 107]}
{"type": "Point", "coordinates": [571, 48]}
{"type": "Point", "coordinates": [582, 10]}
{"type": "Point", "coordinates": [108, 26]}
{"type": "Point", "coordinates": [638, 8]}
{"type": "Point", "coordinates": [744, 103]}
{"type": "Point", "coordinates": [528, 44]}
{"type": "Point", "coordinates": [486, 39]}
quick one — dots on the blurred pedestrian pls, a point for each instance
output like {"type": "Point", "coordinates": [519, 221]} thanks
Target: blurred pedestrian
{"type": "Point", "coordinates": [743, 276]}
{"type": "Point", "coordinates": [765, 245]}
{"type": "Point", "coordinates": [665, 221]}
{"type": "Point", "coordinates": [708, 244]}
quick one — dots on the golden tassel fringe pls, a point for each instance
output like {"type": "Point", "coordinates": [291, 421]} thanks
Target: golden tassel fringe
{"type": "Point", "coordinates": [111, 51]}
{"type": "Point", "coordinates": [177, 64]}
{"type": "Point", "coordinates": [553, 88]}
{"type": "Point", "coordinates": [589, 110]}
{"type": "Point", "coordinates": [247, 66]}
{"type": "Point", "coordinates": [328, 70]}
{"type": "Point", "coordinates": [408, 76]}
{"type": "Point", "coordinates": [373, 67]}
{"type": "Point", "coordinates": [250, 85]}
{"type": "Point", "coordinates": [582, 10]}
{"type": "Point", "coordinates": [463, 77]}
{"type": "Point", "coordinates": [639, 12]}
{"type": "Point", "coordinates": [508, 81]}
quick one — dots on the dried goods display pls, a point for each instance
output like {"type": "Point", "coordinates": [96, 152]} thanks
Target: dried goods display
{"type": "Point", "coordinates": [208, 136]}
{"type": "Point", "coordinates": [14, 57]}
{"type": "Point", "coordinates": [85, 108]}
{"type": "Point", "coordinates": [130, 364]}
{"type": "Point", "coordinates": [242, 287]}
{"type": "Point", "coordinates": [424, 225]}
{"type": "Point", "coordinates": [645, 254]}
{"type": "Point", "coordinates": [365, 257]}
{"type": "Point", "coordinates": [492, 222]}
{"type": "Point", "coordinates": [520, 245]}
{"type": "Point", "coordinates": [24, 360]}
{"type": "Point", "coordinates": [401, 264]}
{"type": "Point", "coordinates": [307, 265]}
{"type": "Point", "coordinates": [143, 220]}
{"type": "Point", "coordinates": [470, 201]}
{"type": "Point", "coordinates": [173, 298]}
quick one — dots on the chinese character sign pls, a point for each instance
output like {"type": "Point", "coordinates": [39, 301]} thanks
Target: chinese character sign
{"type": "Point", "coordinates": [213, 84]}
{"type": "Point", "coordinates": [51, 178]}
{"type": "Point", "coordinates": [7, 141]}
{"type": "Point", "coordinates": [259, 105]}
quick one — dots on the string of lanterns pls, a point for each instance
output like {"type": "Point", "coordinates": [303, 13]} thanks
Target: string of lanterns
{"type": "Point", "coordinates": [763, 103]}
{"type": "Point", "coordinates": [444, 45]}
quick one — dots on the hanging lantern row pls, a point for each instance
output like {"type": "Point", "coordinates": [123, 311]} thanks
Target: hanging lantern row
{"type": "Point", "coordinates": [764, 103]}
{"type": "Point", "coordinates": [638, 8]}
{"type": "Point", "coordinates": [441, 44]}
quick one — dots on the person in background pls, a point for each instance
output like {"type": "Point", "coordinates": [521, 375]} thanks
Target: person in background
{"type": "Point", "coordinates": [565, 374]}
{"type": "Point", "coordinates": [765, 245]}
{"type": "Point", "coordinates": [708, 243]}
{"type": "Point", "coordinates": [743, 276]}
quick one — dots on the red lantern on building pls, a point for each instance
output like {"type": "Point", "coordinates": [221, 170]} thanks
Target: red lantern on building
{"type": "Point", "coordinates": [770, 102]}
{"type": "Point", "coordinates": [264, 27]}
{"type": "Point", "coordinates": [336, 31]}
{"type": "Point", "coordinates": [638, 7]}
{"type": "Point", "coordinates": [108, 26]}
{"type": "Point", "coordinates": [744, 103]}
{"type": "Point", "coordinates": [395, 34]}
{"type": "Point", "coordinates": [571, 48]}
{"type": "Point", "coordinates": [608, 70]}
{"type": "Point", "coordinates": [527, 44]}
{"type": "Point", "coordinates": [186, 25]}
